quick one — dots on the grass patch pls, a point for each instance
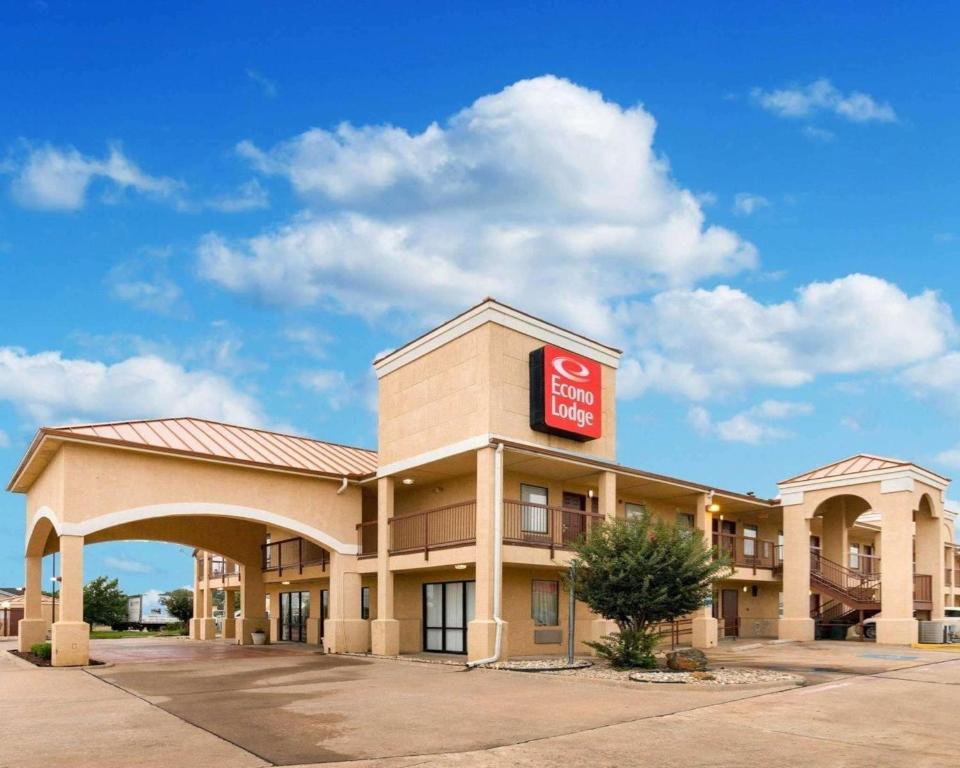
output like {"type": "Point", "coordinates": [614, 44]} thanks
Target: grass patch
{"type": "Point", "coordinates": [116, 634]}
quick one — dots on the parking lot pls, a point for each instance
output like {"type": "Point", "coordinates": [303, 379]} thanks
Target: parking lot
{"type": "Point", "coordinates": [174, 702]}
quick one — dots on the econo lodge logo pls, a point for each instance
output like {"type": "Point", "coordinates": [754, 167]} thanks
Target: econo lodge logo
{"type": "Point", "coordinates": [564, 394]}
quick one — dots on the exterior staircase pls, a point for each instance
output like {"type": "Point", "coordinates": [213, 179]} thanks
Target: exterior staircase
{"type": "Point", "coordinates": [853, 589]}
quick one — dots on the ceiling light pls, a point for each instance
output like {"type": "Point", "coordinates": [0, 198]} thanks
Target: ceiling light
{"type": "Point", "coordinates": [407, 481]}
{"type": "Point", "coordinates": [460, 567]}
{"type": "Point", "coordinates": [285, 583]}
{"type": "Point", "coordinates": [713, 508]}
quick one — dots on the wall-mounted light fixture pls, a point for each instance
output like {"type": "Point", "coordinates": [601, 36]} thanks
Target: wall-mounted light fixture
{"type": "Point", "coordinates": [460, 567]}
{"type": "Point", "coordinates": [407, 481]}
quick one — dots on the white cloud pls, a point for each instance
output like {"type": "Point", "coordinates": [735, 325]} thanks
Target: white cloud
{"type": "Point", "coordinates": [950, 458]}
{"type": "Point", "coordinates": [695, 343]}
{"type": "Point", "coordinates": [59, 178]}
{"type": "Point", "coordinates": [338, 391]}
{"type": "Point", "coordinates": [267, 86]}
{"type": "Point", "coordinates": [822, 96]}
{"type": "Point", "coordinates": [746, 203]}
{"type": "Point", "coordinates": [126, 565]}
{"type": "Point", "coordinates": [145, 283]}
{"type": "Point", "coordinates": [543, 183]}
{"type": "Point", "coordinates": [4, 439]}
{"type": "Point", "coordinates": [937, 379]}
{"type": "Point", "coordinates": [751, 426]}
{"type": "Point", "coordinates": [814, 133]}
{"type": "Point", "coordinates": [849, 422]}
{"type": "Point", "coordinates": [47, 387]}
{"type": "Point", "coordinates": [249, 196]}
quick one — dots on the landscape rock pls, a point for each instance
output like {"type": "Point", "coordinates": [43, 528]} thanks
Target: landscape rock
{"type": "Point", "coordinates": [687, 660]}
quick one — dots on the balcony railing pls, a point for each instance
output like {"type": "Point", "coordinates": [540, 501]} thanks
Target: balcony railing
{"type": "Point", "coordinates": [367, 539]}
{"type": "Point", "coordinates": [537, 525]}
{"type": "Point", "coordinates": [223, 569]}
{"type": "Point", "coordinates": [868, 565]}
{"type": "Point", "coordinates": [747, 551]}
{"type": "Point", "coordinates": [292, 554]}
{"type": "Point", "coordinates": [454, 525]}
{"type": "Point", "coordinates": [922, 588]}
{"type": "Point", "coordinates": [951, 577]}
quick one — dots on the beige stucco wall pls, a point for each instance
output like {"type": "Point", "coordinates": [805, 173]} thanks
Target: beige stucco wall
{"type": "Point", "coordinates": [476, 384]}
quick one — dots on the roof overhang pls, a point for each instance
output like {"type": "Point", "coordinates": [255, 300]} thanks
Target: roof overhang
{"type": "Point", "coordinates": [891, 480]}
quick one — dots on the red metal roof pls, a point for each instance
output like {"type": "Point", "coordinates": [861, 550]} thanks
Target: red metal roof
{"type": "Point", "coordinates": [216, 440]}
{"type": "Point", "coordinates": [862, 462]}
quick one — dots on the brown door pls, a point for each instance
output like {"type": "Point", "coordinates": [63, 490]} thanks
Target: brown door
{"type": "Point", "coordinates": [730, 612]}
{"type": "Point", "coordinates": [573, 523]}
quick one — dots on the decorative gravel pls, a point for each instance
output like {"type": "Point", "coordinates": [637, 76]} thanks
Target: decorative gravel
{"type": "Point", "coordinates": [542, 665]}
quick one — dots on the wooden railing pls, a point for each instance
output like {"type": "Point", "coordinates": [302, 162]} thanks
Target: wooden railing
{"type": "Point", "coordinates": [951, 577]}
{"type": "Point", "coordinates": [922, 588]}
{"type": "Point", "coordinates": [451, 526]}
{"type": "Point", "coordinates": [746, 551]}
{"type": "Point", "coordinates": [290, 554]}
{"type": "Point", "coordinates": [537, 525]}
{"type": "Point", "coordinates": [367, 539]}
{"type": "Point", "coordinates": [868, 565]}
{"type": "Point", "coordinates": [674, 630]}
{"type": "Point", "coordinates": [220, 569]}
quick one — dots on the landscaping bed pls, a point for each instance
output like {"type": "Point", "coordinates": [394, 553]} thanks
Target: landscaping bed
{"type": "Point", "coordinates": [541, 665]}
{"type": "Point", "coordinates": [43, 661]}
{"type": "Point", "coordinates": [600, 669]}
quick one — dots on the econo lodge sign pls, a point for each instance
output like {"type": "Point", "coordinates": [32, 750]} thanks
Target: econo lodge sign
{"type": "Point", "coordinates": [564, 394]}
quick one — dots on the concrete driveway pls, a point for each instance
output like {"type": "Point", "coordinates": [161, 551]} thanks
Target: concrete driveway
{"type": "Point", "coordinates": [289, 707]}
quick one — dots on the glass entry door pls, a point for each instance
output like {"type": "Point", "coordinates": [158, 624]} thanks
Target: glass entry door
{"type": "Point", "coordinates": [294, 608]}
{"type": "Point", "coordinates": [447, 610]}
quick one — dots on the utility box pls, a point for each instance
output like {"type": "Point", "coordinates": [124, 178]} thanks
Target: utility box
{"type": "Point", "coordinates": [939, 631]}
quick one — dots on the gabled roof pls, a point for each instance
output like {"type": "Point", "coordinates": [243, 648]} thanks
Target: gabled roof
{"type": "Point", "coordinates": [206, 439]}
{"type": "Point", "coordinates": [854, 465]}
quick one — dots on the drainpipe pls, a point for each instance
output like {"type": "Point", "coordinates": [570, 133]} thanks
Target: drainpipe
{"type": "Point", "coordinates": [497, 557]}
{"type": "Point", "coordinates": [343, 486]}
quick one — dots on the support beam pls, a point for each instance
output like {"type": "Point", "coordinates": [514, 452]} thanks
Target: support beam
{"type": "Point", "coordinates": [253, 602]}
{"type": "Point", "coordinates": [796, 623]}
{"type": "Point", "coordinates": [385, 629]}
{"type": "Point", "coordinates": [197, 597]}
{"type": "Point", "coordinates": [704, 627]}
{"type": "Point", "coordinates": [346, 631]}
{"type": "Point", "coordinates": [207, 626]}
{"type": "Point", "coordinates": [71, 635]}
{"type": "Point", "coordinates": [229, 620]}
{"type": "Point", "coordinates": [32, 628]}
{"type": "Point", "coordinates": [896, 625]}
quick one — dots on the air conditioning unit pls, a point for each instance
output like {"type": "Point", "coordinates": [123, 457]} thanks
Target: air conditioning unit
{"type": "Point", "coordinates": [940, 631]}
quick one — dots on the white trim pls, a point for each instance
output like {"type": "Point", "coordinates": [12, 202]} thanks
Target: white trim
{"type": "Point", "coordinates": [41, 514]}
{"type": "Point", "coordinates": [189, 509]}
{"type": "Point", "coordinates": [910, 472]}
{"type": "Point", "coordinates": [896, 485]}
{"type": "Point", "coordinates": [492, 312]}
{"type": "Point", "coordinates": [791, 499]}
{"type": "Point", "coordinates": [474, 443]}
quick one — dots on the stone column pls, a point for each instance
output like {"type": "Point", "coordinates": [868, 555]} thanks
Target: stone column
{"type": "Point", "coordinates": [796, 623]}
{"type": "Point", "coordinates": [835, 542]}
{"type": "Point", "coordinates": [229, 621]}
{"type": "Point", "coordinates": [207, 626]}
{"type": "Point", "coordinates": [316, 613]}
{"type": "Point", "coordinates": [197, 597]}
{"type": "Point", "coordinates": [32, 627]}
{"type": "Point", "coordinates": [482, 631]}
{"type": "Point", "coordinates": [345, 631]}
{"type": "Point", "coordinates": [896, 625]}
{"type": "Point", "coordinates": [601, 627]}
{"type": "Point", "coordinates": [704, 627]}
{"type": "Point", "coordinates": [71, 634]}
{"type": "Point", "coordinates": [253, 602]}
{"type": "Point", "coordinates": [385, 629]}
{"type": "Point", "coordinates": [930, 556]}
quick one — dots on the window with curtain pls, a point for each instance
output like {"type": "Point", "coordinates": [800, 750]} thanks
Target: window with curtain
{"type": "Point", "coordinates": [750, 540]}
{"type": "Point", "coordinates": [364, 602]}
{"type": "Point", "coordinates": [545, 607]}
{"type": "Point", "coordinates": [685, 520]}
{"type": "Point", "coordinates": [633, 511]}
{"type": "Point", "coordinates": [855, 556]}
{"type": "Point", "coordinates": [533, 519]}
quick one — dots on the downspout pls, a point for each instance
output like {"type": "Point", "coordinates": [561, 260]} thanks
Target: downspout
{"type": "Point", "coordinates": [343, 486]}
{"type": "Point", "coordinates": [497, 557]}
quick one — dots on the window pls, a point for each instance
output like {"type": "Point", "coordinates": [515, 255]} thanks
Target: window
{"type": "Point", "coordinates": [855, 557]}
{"type": "Point", "coordinates": [685, 520]}
{"type": "Point", "coordinates": [750, 540]}
{"type": "Point", "coordinates": [533, 519]}
{"type": "Point", "coordinates": [545, 607]}
{"type": "Point", "coordinates": [633, 511]}
{"type": "Point", "coordinates": [364, 602]}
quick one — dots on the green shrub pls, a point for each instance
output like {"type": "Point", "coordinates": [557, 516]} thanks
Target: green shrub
{"type": "Point", "coordinates": [42, 651]}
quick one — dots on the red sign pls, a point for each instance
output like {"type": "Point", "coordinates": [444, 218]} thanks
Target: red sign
{"type": "Point", "coordinates": [565, 394]}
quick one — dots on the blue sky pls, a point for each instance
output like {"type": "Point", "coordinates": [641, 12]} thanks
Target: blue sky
{"type": "Point", "coordinates": [227, 211]}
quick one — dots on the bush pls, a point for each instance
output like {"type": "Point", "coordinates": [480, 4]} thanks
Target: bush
{"type": "Point", "coordinates": [42, 651]}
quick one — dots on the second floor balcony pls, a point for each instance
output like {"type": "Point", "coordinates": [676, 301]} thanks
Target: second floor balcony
{"type": "Point", "coordinates": [292, 554]}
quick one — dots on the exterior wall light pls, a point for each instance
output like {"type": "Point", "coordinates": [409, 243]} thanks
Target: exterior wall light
{"type": "Point", "coordinates": [285, 583]}
{"type": "Point", "coordinates": [713, 507]}
{"type": "Point", "coordinates": [460, 566]}
{"type": "Point", "coordinates": [407, 481]}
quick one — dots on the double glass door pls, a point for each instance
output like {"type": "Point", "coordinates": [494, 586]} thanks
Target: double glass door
{"type": "Point", "coordinates": [447, 610]}
{"type": "Point", "coordinates": [294, 609]}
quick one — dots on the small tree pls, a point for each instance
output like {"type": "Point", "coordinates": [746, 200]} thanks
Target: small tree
{"type": "Point", "coordinates": [179, 604]}
{"type": "Point", "coordinates": [639, 573]}
{"type": "Point", "coordinates": [104, 602]}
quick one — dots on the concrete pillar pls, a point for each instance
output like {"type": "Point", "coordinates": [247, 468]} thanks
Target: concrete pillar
{"type": "Point", "coordinates": [206, 625]}
{"type": "Point", "coordinates": [896, 625]}
{"type": "Point", "coordinates": [229, 621]}
{"type": "Point", "coordinates": [385, 629]}
{"type": "Point", "coordinates": [704, 627]}
{"type": "Point", "coordinates": [608, 495]}
{"type": "Point", "coordinates": [796, 623]}
{"type": "Point", "coordinates": [930, 556]}
{"type": "Point", "coordinates": [345, 631]}
{"type": "Point", "coordinates": [71, 634]}
{"type": "Point", "coordinates": [32, 627]}
{"type": "Point", "coordinates": [253, 602]}
{"type": "Point", "coordinates": [316, 613]}
{"type": "Point", "coordinates": [482, 631]}
{"type": "Point", "coordinates": [835, 542]}
{"type": "Point", "coordinates": [197, 597]}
